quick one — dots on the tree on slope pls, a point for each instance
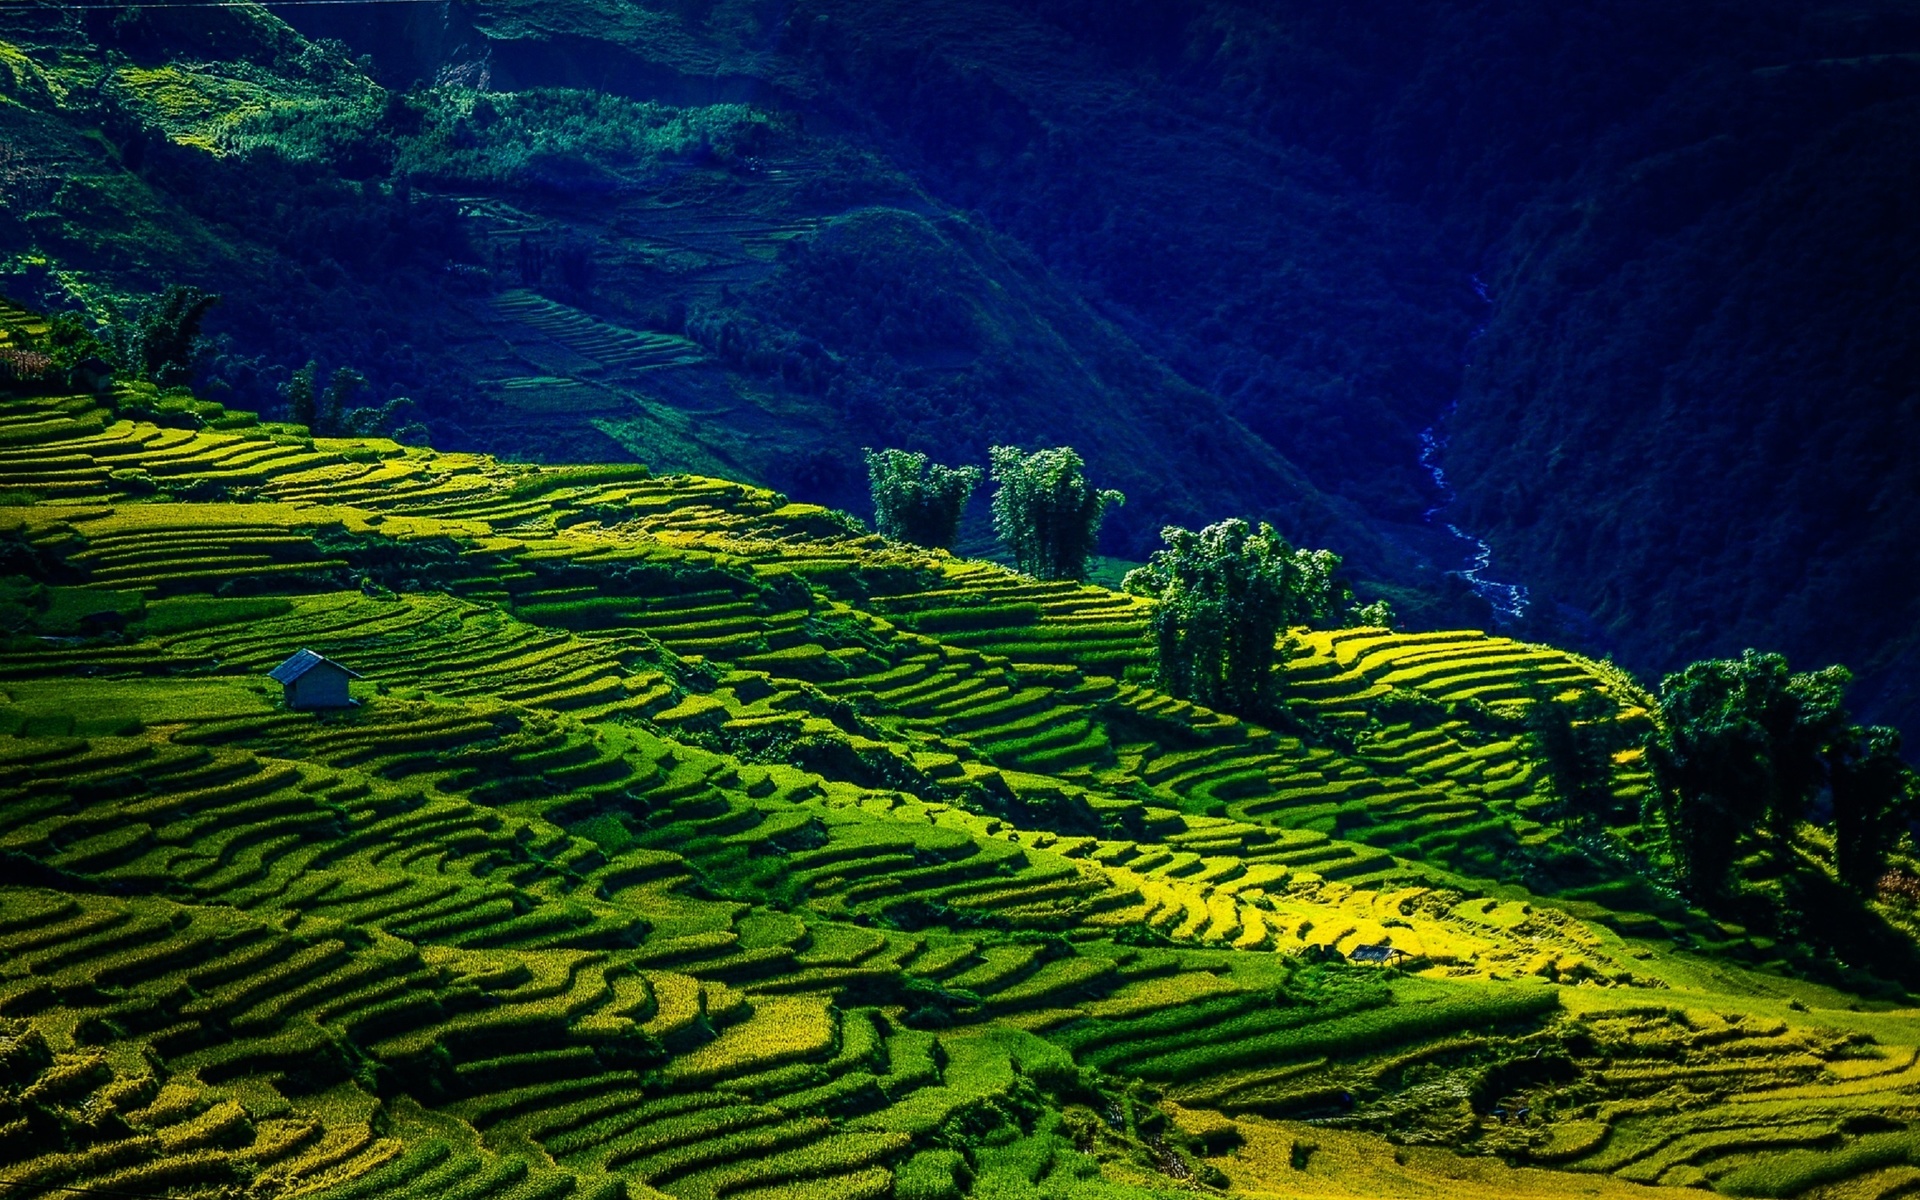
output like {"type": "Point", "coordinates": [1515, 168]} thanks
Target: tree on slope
{"type": "Point", "coordinates": [333, 413]}
{"type": "Point", "coordinates": [1226, 597]}
{"type": "Point", "coordinates": [1746, 745]}
{"type": "Point", "coordinates": [1046, 512]}
{"type": "Point", "coordinates": [1875, 794]}
{"type": "Point", "coordinates": [167, 339]}
{"type": "Point", "coordinates": [301, 402]}
{"type": "Point", "coordinates": [342, 387]}
{"type": "Point", "coordinates": [917, 501]}
{"type": "Point", "coordinates": [1573, 734]}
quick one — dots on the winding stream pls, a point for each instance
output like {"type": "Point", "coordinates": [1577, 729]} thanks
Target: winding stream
{"type": "Point", "coordinates": [1509, 600]}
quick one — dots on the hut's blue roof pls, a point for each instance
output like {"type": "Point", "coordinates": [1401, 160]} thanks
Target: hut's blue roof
{"type": "Point", "coordinates": [301, 663]}
{"type": "Point", "coordinates": [1379, 953]}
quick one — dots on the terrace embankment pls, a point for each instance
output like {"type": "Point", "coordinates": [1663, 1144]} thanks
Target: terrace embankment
{"type": "Point", "coordinates": [689, 841]}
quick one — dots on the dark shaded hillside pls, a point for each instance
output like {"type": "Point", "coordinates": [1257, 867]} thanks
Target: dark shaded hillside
{"type": "Point", "coordinates": [1694, 411]}
{"type": "Point", "coordinates": [1325, 319]}
{"type": "Point", "coordinates": [946, 336]}
{"type": "Point", "coordinates": [1263, 272]}
{"type": "Point", "coordinates": [1676, 210]}
{"type": "Point", "coordinates": [569, 266]}
{"type": "Point", "coordinates": [1691, 416]}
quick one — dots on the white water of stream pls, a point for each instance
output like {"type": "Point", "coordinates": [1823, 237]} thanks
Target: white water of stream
{"type": "Point", "coordinates": [1509, 600]}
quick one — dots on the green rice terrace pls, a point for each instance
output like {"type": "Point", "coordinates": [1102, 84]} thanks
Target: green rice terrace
{"type": "Point", "coordinates": [689, 842]}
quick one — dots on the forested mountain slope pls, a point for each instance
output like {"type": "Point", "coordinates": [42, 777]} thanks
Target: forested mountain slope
{"type": "Point", "coordinates": [1244, 254]}
{"type": "Point", "coordinates": [1695, 408]}
{"type": "Point", "coordinates": [571, 273]}
{"type": "Point", "coordinates": [1691, 228]}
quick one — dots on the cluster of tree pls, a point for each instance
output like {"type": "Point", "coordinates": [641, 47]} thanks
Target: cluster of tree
{"type": "Point", "coordinates": [1227, 594]}
{"type": "Point", "coordinates": [1045, 512]}
{"type": "Point", "coordinates": [70, 341]}
{"type": "Point", "coordinates": [918, 501]}
{"type": "Point", "coordinates": [164, 344]}
{"type": "Point", "coordinates": [332, 412]}
{"type": "Point", "coordinates": [1226, 597]}
{"type": "Point", "coordinates": [158, 340]}
{"type": "Point", "coordinates": [1747, 749]}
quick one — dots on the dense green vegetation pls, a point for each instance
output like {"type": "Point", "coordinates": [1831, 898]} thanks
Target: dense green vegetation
{"type": "Point", "coordinates": [1225, 599]}
{"type": "Point", "coordinates": [1241, 250]}
{"type": "Point", "coordinates": [918, 502]}
{"type": "Point", "coordinates": [550, 271]}
{"type": "Point", "coordinates": [1045, 512]}
{"type": "Point", "coordinates": [1746, 749]}
{"type": "Point", "coordinates": [685, 840]}
{"type": "Point", "coordinates": [1681, 418]}
{"type": "Point", "coordinates": [1678, 215]}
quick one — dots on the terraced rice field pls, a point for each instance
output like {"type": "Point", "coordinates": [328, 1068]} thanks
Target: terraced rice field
{"type": "Point", "coordinates": [684, 843]}
{"type": "Point", "coordinates": [604, 349]}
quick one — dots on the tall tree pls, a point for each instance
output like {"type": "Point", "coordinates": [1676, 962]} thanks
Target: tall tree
{"type": "Point", "coordinates": [1874, 797]}
{"type": "Point", "coordinates": [301, 408]}
{"type": "Point", "coordinates": [1046, 512]}
{"type": "Point", "coordinates": [1572, 733]}
{"type": "Point", "coordinates": [342, 387]}
{"type": "Point", "coordinates": [1226, 595]}
{"type": "Point", "coordinates": [168, 339]}
{"type": "Point", "coordinates": [1742, 744]}
{"type": "Point", "coordinates": [917, 501]}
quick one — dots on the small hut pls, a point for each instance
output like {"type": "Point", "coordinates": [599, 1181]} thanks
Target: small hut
{"type": "Point", "coordinates": [314, 681]}
{"type": "Point", "coordinates": [1382, 953]}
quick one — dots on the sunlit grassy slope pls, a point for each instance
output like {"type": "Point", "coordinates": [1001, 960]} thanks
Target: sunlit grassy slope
{"type": "Point", "coordinates": [686, 841]}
